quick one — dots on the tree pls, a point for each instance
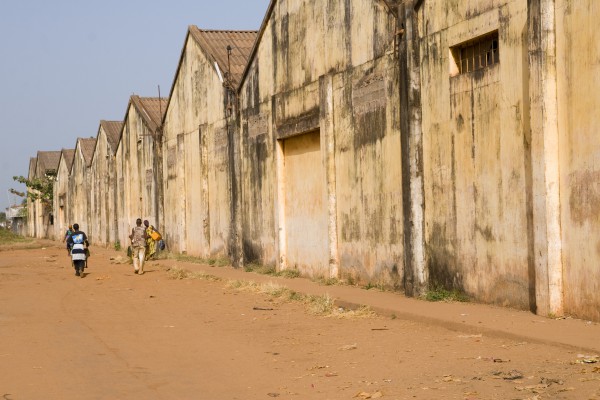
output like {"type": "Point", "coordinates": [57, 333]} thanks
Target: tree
{"type": "Point", "coordinates": [2, 217]}
{"type": "Point", "coordinates": [39, 188]}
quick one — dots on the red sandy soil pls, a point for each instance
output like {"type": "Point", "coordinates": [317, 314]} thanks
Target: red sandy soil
{"type": "Point", "coordinates": [117, 335]}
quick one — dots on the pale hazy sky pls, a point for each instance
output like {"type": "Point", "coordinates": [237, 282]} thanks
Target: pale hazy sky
{"type": "Point", "coordinates": [67, 64]}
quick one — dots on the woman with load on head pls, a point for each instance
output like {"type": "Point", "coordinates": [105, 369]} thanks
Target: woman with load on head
{"type": "Point", "coordinates": [153, 237]}
{"type": "Point", "coordinates": [78, 244]}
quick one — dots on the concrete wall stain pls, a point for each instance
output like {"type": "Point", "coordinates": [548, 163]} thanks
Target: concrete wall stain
{"type": "Point", "coordinates": [442, 263]}
{"type": "Point", "coordinates": [584, 198]}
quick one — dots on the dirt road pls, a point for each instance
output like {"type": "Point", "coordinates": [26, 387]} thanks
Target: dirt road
{"type": "Point", "coordinates": [117, 335]}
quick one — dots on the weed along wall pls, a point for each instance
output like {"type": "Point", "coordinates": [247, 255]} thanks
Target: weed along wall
{"type": "Point", "coordinates": [321, 181]}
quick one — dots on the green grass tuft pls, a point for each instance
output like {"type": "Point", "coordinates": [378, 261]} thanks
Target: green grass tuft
{"type": "Point", "coordinates": [441, 294]}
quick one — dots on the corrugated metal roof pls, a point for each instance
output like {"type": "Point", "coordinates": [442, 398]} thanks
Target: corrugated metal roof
{"type": "Point", "coordinates": [47, 161]}
{"type": "Point", "coordinates": [152, 110]}
{"type": "Point", "coordinates": [88, 145]}
{"type": "Point", "coordinates": [215, 43]}
{"type": "Point", "coordinates": [113, 133]}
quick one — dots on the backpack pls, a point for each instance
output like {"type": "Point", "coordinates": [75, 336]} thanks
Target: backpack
{"type": "Point", "coordinates": [137, 239]}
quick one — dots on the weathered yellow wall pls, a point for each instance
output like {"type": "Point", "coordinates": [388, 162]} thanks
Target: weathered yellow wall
{"type": "Point", "coordinates": [475, 128]}
{"type": "Point", "coordinates": [369, 172]}
{"type": "Point", "coordinates": [99, 186]}
{"type": "Point", "coordinates": [128, 173]}
{"type": "Point", "coordinates": [196, 167]}
{"type": "Point", "coordinates": [103, 207]}
{"type": "Point", "coordinates": [61, 191]}
{"type": "Point", "coordinates": [112, 206]}
{"type": "Point", "coordinates": [124, 223]}
{"type": "Point", "coordinates": [578, 67]}
{"type": "Point", "coordinates": [79, 185]}
{"type": "Point", "coordinates": [137, 196]}
{"type": "Point", "coordinates": [328, 66]}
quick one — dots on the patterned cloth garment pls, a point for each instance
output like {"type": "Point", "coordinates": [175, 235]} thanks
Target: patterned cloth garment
{"type": "Point", "coordinates": [78, 249]}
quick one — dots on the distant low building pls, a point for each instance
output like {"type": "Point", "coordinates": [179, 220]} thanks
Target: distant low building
{"type": "Point", "coordinates": [15, 219]}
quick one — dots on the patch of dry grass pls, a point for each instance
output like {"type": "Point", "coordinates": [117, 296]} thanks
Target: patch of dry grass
{"type": "Point", "coordinates": [271, 271]}
{"type": "Point", "coordinates": [321, 280]}
{"type": "Point", "coordinates": [213, 261]}
{"type": "Point", "coordinates": [180, 273]}
{"type": "Point", "coordinates": [289, 273]}
{"type": "Point", "coordinates": [10, 241]}
{"type": "Point", "coordinates": [323, 306]}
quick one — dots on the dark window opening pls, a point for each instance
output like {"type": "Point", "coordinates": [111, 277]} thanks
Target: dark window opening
{"type": "Point", "coordinates": [477, 54]}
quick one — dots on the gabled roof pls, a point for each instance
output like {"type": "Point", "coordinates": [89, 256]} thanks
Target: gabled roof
{"type": "Point", "coordinates": [87, 145]}
{"type": "Point", "coordinates": [32, 167]}
{"type": "Point", "coordinates": [68, 155]}
{"type": "Point", "coordinates": [113, 133]}
{"type": "Point", "coordinates": [47, 161]}
{"type": "Point", "coordinates": [214, 44]}
{"type": "Point", "coordinates": [152, 110]}
{"type": "Point", "coordinates": [390, 4]}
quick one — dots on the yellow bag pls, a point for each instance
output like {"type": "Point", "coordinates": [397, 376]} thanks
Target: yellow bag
{"type": "Point", "coordinates": [155, 236]}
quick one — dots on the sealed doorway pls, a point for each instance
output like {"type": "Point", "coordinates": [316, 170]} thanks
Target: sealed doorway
{"type": "Point", "coordinates": [305, 205]}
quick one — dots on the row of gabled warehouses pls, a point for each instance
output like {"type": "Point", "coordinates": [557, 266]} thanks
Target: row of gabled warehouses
{"type": "Point", "coordinates": [409, 144]}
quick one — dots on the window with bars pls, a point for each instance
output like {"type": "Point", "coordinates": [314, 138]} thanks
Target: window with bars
{"type": "Point", "coordinates": [475, 54]}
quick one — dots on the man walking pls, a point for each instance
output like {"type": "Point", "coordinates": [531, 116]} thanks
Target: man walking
{"type": "Point", "coordinates": [78, 242]}
{"type": "Point", "coordinates": [138, 246]}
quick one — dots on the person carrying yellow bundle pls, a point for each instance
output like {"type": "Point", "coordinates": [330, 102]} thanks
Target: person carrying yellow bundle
{"type": "Point", "coordinates": [153, 236]}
